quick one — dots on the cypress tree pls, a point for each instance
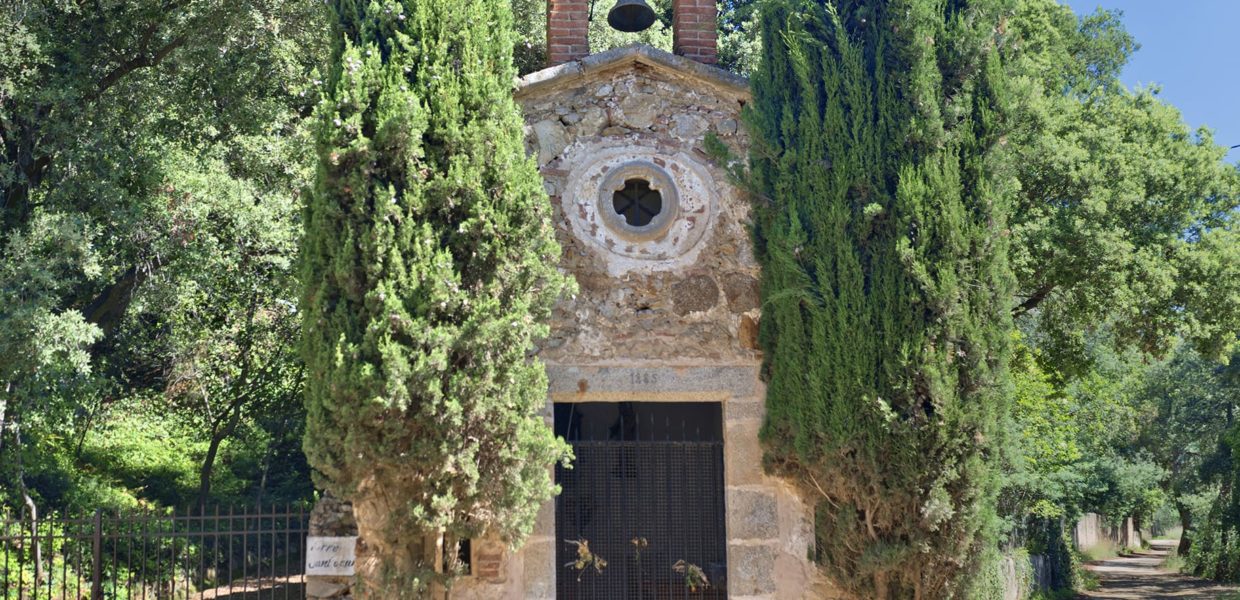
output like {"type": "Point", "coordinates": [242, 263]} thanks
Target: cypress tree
{"type": "Point", "coordinates": [429, 269]}
{"type": "Point", "coordinates": [881, 230]}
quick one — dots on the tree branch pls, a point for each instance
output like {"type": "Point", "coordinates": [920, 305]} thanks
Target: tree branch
{"type": "Point", "coordinates": [1033, 300]}
{"type": "Point", "coordinates": [143, 59]}
{"type": "Point", "coordinates": [107, 309]}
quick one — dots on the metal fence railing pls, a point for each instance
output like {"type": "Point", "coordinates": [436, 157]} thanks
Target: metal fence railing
{"type": "Point", "coordinates": [224, 554]}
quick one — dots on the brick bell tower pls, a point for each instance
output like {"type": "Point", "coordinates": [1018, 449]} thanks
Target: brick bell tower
{"type": "Point", "coordinates": [694, 30]}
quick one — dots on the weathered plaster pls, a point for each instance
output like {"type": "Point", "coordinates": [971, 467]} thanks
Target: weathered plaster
{"type": "Point", "coordinates": [690, 295]}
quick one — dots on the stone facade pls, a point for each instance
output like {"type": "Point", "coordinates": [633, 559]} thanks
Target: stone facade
{"type": "Point", "coordinates": [690, 296]}
{"type": "Point", "coordinates": [669, 318]}
{"type": "Point", "coordinates": [666, 312]}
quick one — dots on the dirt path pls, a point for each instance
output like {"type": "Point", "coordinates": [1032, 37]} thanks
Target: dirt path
{"type": "Point", "coordinates": [1141, 577]}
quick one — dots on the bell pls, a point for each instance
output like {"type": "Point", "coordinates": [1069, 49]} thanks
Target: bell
{"type": "Point", "coordinates": [630, 15]}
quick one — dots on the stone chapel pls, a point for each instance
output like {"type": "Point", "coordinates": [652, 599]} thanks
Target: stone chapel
{"type": "Point", "coordinates": [653, 364]}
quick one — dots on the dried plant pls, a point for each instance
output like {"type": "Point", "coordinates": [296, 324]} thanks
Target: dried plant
{"type": "Point", "coordinates": [585, 558]}
{"type": "Point", "coordinates": [694, 577]}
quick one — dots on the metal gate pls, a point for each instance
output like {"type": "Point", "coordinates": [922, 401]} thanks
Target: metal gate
{"type": "Point", "coordinates": [254, 554]}
{"type": "Point", "coordinates": [645, 495]}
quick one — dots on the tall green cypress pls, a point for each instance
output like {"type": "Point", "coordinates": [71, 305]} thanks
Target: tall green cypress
{"type": "Point", "coordinates": [429, 268]}
{"type": "Point", "coordinates": [881, 231]}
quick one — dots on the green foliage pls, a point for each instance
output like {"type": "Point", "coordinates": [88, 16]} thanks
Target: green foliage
{"type": "Point", "coordinates": [603, 37]}
{"type": "Point", "coordinates": [1075, 448]}
{"type": "Point", "coordinates": [1214, 534]}
{"type": "Point", "coordinates": [1215, 548]}
{"type": "Point", "coordinates": [1123, 212]}
{"type": "Point", "coordinates": [1120, 487]}
{"type": "Point", "coordinates": [428, 271]}
{"type": "Point", "coordinates": [151, 158]}
{"type": "Point", "coordinates": [878, 129]}
{"type": "Point", "coordinates": [1186, 400]}
{"type": "Point", "coordinates": [738, 33]}
{"type": "Point", "coordinates": [45, 348]}
{"type": "Point", "coordinates": [530, 26]}
{"type": "Point", "coordinates": [993, 575]}
{"type": "Point", "coordinates": [151, 454]}
{"type": "Point", "coordinates": [739, 43]}
{"type": "Point", "coordinates": [1088, 580]}
{"type": "Point", "coordinates": [1174, 562]}
{"type": "Point", "coordinates": [1044, 445]}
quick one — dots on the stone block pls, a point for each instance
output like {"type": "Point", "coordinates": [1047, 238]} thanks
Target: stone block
{"type": "Point", "coordinates": [539, 559]}
{"type": "Point", "coordinates": [332, 516]}
{"type": "Point", "coordinates": [735, 381]}
{"type": "Point", "coordinates": [742, 291]}
{"type": "Point", "coordinates": [551, 138]}
{"type": "Point", "coordinates": [744, 410]}
{"type": "Point", "coordinates": [489, 558]}
{"type": "Point", "coordinates": [544, 523]}
{"type": "Point", "coordinates": [639, 110]}
{"type": "Point", "coordinates": [742, 453]}
{"type": "Point", "coordinates": [593, 120]}
{"type": "Point", "coordinates": [751, 570]}
{"type": "Point", "coordinates": [318, 587]}
{"type": "Point", "coordinates": [747, 333]}
{"type": "Point", "coordinates": [616, 131]}
{"type": "Point", "coordinates": [751, 515]}
{"type": "Point", "coordinates": [694, 294]}
{"type": "Point", "coordinates": [688, 126]}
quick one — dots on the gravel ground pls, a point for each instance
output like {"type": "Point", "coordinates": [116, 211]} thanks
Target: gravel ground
{"type": "Point", "coordinates": [1141, 577]}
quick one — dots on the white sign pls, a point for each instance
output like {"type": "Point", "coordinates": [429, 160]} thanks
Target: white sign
{"type": "Point", "coordinates": [330, 555]}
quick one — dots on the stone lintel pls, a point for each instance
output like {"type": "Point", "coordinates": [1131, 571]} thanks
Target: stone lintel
{"type": "Point", "coordinates": [588, 383]}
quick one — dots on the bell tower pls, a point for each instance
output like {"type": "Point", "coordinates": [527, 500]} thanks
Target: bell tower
{"type": "Point", "coordinates": [567, 25]}
{"type": "Point", "coordinates": [694, 28]}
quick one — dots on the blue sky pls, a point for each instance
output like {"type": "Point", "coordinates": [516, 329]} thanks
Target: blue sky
{"type": "Point", "coordinates": [1192, 49]}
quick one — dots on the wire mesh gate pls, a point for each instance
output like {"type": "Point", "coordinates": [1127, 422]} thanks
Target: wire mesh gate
{"type": "Point", "coordinates": [224, 555]}
{"type": "Point", "coordinates": [646, 495]}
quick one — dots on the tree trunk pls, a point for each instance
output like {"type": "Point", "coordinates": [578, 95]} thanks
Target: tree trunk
{"type": "Point", "coordinates": [208, 462]}
{"type": "Point", "coordinates": [1186, 523]}
{"type": "Point", "coordinates": [34, 509]}
{"type": "Point", "coordinates": [262, 482]}
{"type": "Point", "coordinates": [393, 563]}
{"type": "Point", "coordinates": [35, 537]}
{"type": "Point", "coordinates": [4, 403]}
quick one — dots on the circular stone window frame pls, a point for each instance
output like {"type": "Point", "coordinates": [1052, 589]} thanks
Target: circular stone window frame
{"type": "Point", "coordinates": [588, 210]}
{"type": "Point", "coordinates": [658, 180]}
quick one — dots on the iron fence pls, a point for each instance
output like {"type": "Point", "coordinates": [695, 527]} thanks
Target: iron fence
{"type": "Point", "coordinates": [247, 554]}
